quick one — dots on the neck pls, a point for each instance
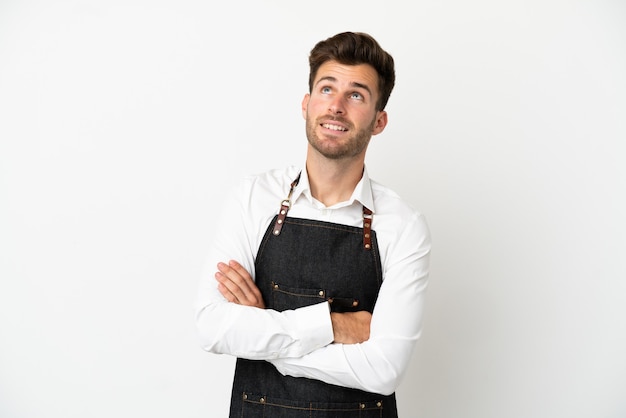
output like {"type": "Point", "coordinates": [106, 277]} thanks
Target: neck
{"type": "Point", "coordinates": [333, 181]}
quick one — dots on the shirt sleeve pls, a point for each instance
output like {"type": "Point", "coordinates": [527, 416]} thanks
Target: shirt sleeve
{"type": "Point", "coordinates": [243, 331]}
{"type": "Point", "coordinates": [378, 365]}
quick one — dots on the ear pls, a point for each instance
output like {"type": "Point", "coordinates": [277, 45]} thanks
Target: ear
{"type": "Point", "coordinates": [381, 122]}
{"type": "Point", "coordinates": [305, 104]}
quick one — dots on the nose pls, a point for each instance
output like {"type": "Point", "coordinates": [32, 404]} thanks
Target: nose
{"type": "Point", "coordinates": [336, 106]}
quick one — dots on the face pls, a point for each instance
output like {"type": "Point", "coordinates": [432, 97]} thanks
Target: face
{"type": "Point", "coordinates": [340, 111]}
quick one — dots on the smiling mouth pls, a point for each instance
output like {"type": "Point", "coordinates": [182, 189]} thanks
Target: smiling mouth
{"type": "Point", "coordinates": [334, 127]}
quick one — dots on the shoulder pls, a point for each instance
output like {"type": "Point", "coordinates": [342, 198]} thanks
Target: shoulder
{"type": "Point", "coordinates": [401, 228]}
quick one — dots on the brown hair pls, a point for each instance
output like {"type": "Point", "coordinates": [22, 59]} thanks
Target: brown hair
{"type": "Point", "coordinates": [353, 48]}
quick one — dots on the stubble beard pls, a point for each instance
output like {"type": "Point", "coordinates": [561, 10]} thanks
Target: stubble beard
{"type": "Point", "coordinates": [351, 147]}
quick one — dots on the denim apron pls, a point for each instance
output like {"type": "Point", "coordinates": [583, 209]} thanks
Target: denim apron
{"type": "Point", "coordinates": [301, 262]}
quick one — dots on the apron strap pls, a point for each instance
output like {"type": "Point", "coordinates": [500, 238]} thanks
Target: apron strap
{"type": "Point", "coordinates": [285, 205]}
{"type": "Point", "coordinates": [367, 228]}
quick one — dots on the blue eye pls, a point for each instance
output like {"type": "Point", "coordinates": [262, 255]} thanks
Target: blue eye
{"type": "Point", "coordinates": [325, 90]}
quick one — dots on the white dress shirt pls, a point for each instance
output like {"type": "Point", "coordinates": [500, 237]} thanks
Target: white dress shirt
{"type": "Point", "coordinates": [299, 342]}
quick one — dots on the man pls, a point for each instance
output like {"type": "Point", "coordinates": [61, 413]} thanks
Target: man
{"type": "Point", "coordinates": [315, 279]}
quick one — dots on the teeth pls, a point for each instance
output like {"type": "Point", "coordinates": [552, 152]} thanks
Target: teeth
{"type": "Point", "coordinates": [333, 127]}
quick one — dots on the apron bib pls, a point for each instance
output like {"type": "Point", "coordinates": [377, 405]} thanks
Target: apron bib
{"type": "Point", "coordinates": [301, 262]}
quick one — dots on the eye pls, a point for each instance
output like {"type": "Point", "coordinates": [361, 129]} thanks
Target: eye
{"type": "Point", "coordinates": [356, 96]}
{"type": "Point", "coordinates": [325, 90]}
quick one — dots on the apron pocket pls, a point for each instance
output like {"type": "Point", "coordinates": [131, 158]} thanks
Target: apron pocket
{"type": "Point", "coordinates": [266, 406]}
{"type": "Point", "coordinates": [285, 297]}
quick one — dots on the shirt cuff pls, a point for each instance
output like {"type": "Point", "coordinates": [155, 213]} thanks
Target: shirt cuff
{"type": "Point", "coordinates": [314, 326]}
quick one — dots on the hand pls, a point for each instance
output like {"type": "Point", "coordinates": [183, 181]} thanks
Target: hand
{"type": "Point", "coordinates": [351, 327]}
{"type": "Point", "coordinates": [237, 286]}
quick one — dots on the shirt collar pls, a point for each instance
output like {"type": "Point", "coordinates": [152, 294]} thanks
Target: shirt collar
{"type": "Point", "coordinates": [362, 192]}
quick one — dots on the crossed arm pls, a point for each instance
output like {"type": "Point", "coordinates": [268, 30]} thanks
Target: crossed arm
{"type": "Point", "coordinates": [237, 286]}
{"type": "Point", "coordinates": [358, 350]}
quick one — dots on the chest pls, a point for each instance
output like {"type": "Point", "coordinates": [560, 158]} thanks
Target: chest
{"type": "Point", "coordinates": [312, 261]}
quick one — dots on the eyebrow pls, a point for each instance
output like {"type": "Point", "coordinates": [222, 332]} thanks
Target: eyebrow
{"type": "Point", "coordinates": [353, 84]}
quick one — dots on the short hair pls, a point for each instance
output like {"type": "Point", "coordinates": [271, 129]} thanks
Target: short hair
{"type": "Point", "coordinates": [354, 48]}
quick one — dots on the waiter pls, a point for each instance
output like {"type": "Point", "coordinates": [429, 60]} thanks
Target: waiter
{"type": "Point", "coordinates": [315, 278]}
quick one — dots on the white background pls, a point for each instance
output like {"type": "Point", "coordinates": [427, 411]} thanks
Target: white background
{"type": "Point", "coordinates": [123, 122]}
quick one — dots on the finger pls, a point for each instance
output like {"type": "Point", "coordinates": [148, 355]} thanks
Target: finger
{"type": "Point", "coordinates": [251, 290]}
{"type": "Point", "coordinates": [229, 288]}
{"type": "Point", "coordinates": [239, 284]}
{"type": "Point", "coordinates": [239, 269]}
{"type": "Point", "coordinates": [232, 292]}
{"type": "Point", "coordinates": [226, 293]}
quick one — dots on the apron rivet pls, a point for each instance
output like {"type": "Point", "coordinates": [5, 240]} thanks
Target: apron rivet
{"type": "Point", "coordinates": [262, 400]}
{"type": "Point", "coordinates": [379, 404]}
{"type": "Point", "coordinates": [362, 406]}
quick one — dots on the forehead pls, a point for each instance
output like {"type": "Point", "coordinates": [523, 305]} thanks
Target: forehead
{"type": "Point", "coordinates": [363, 74]}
